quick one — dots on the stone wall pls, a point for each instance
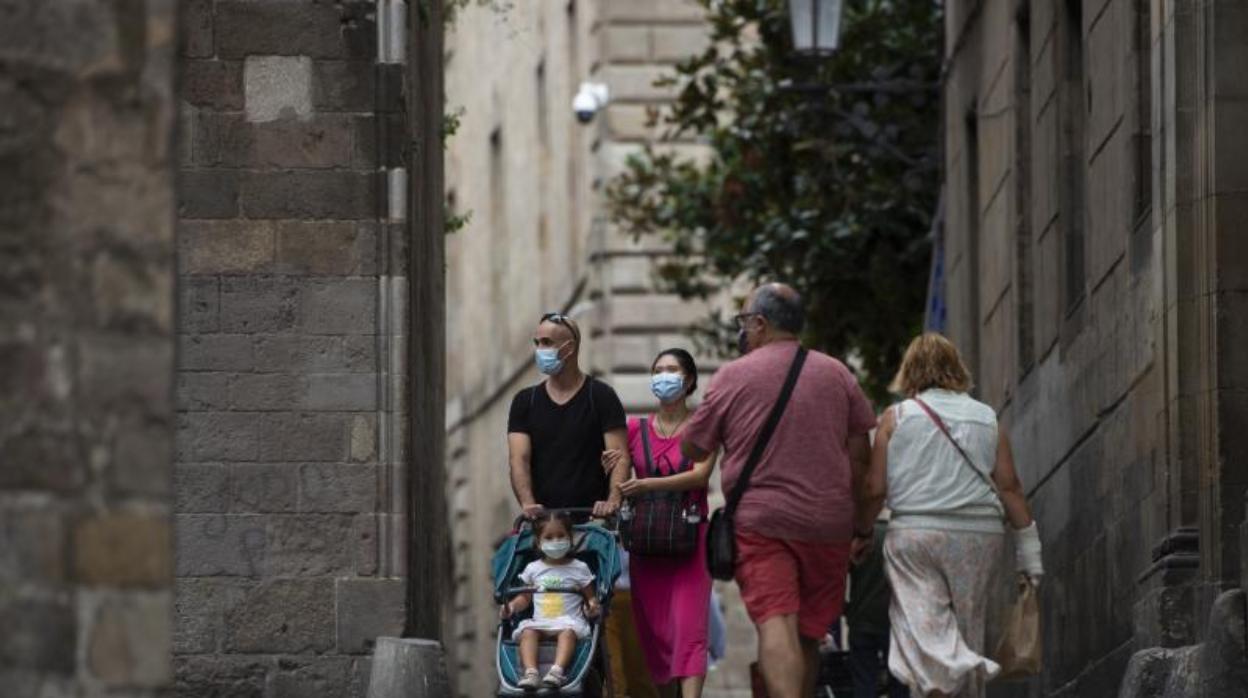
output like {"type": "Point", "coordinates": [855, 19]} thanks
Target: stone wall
{"type": "Point", "coordinates": [291, 549]}
{"type": "Point", "coordinates": [86, 347]}
{"type": "Point", "coordinates": [1082, 285]}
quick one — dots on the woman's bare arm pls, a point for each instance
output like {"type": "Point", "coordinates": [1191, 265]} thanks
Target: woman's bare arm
{"type": "Point", "coordinates": [874, 487]}
{"type": "Point", "coordinates": [1008, 485]}
{"type": "Point", "coordinates": [695, 478]}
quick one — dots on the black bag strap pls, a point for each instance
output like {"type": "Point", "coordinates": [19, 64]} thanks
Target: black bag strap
{"type": "Point", "coordinates": [743, 481]}
{"type": "Point", "coordinates": [651, 470]}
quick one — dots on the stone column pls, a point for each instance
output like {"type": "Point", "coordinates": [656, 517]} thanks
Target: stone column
{"type": "Point", "coordinates": [291, 428]}
{"type": "Point", "coordinates": [86, 346]}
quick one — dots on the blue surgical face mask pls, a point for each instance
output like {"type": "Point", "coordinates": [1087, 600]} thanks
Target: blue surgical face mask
{"type": "Point", "coordinates": [548, 361]}
{"type": "Point", "coordinates": [667, 387]}
{"type": "Point", "coordinates": [556, 548]}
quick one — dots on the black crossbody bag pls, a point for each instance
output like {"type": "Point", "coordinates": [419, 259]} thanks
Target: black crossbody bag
{"type": "Point", "coordinates": [721, 535]}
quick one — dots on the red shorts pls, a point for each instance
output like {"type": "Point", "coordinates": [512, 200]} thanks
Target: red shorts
{"type": "Point", "coordinates": [792, 577]}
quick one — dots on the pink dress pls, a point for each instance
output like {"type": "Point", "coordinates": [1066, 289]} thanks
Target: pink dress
{"type": "Point", "coordinates": [671, 596]}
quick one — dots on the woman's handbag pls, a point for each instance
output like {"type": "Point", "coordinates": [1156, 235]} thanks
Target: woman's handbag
{"type": "Point", "coordinates": [721, 535]}
{"type": "Point", "coordinates": [1019, 651]}
{"type": "Point", "coordinates": [660, 523]}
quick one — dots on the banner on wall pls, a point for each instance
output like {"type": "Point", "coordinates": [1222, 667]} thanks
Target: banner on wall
{"type": "Point", "coordinates": [934, 313]}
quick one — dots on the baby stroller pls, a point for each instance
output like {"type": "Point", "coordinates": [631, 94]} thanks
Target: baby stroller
{"type": "Point", "coordinates": [589, 675]}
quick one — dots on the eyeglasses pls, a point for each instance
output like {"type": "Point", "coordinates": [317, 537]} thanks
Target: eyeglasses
{"type": "Point", "coordinates": [740, 318]}
{"type": "Point", "coordinates": [561, 319]}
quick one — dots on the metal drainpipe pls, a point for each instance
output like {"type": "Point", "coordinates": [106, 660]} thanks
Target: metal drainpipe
{"type": "Point", "coordinates": [391, 300]}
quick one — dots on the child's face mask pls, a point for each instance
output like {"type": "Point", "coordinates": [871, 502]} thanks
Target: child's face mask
{"type": "Point", "coordinates": [556, 548]}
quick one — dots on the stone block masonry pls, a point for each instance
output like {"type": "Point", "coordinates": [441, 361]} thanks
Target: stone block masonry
{"type": "Point", "coordinates": [284, 251]}
{"type": "Point", "coordinates": [86, 347]}
{"type": "Point", "coordinates": [1114, 258]}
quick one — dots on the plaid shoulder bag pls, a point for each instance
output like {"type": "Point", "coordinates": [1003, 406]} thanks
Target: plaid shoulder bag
{"type": "Point", "coordinates": [660, 523]}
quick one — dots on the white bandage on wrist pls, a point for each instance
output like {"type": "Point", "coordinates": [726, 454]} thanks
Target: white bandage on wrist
{"type": "Point", "coordinates": [1027, 550]}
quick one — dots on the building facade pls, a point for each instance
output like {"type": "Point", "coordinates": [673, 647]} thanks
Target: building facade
{"type": "Point", "coordinates": [1095, 280]}
{"type": "Point", "coordinates": [529, 177]}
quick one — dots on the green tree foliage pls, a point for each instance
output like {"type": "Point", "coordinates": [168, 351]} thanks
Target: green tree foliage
{"type": "Point", "coordinates": [823, 172]}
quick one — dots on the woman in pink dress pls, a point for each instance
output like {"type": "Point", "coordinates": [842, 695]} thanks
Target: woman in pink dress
{"type": "Point", "coordinates": [671, 595]}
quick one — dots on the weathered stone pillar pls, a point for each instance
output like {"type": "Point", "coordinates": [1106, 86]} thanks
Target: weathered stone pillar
{"type": "Point", "coordinates": [86, 347]}
{"type": "Point", "coordinates": [292, 434]}
{"type": "Point", "coordinates": [1217, 667]}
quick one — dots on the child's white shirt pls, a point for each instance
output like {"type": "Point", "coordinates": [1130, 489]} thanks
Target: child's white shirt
{"type": "Point", "coordinates": [555, 611]}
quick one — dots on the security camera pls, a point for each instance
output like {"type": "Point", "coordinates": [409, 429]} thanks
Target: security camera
{"type": "Point", "coordinates": [591, 97]}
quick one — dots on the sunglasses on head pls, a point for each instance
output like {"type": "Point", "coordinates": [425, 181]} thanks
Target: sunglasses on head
{"type": "Point", "coordinates": [561, 319]}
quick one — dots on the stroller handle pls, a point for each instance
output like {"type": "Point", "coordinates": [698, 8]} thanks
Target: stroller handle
{"type": "Point", "coordinates": [516, 591]}
{"type": "Point", "coordinates": [570, 510]}
{"type": "Point", "coordinates": [588, 512]}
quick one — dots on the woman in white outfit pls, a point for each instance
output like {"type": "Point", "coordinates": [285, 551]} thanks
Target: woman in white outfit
{"type": "Point", "coordinates": [945, 467]}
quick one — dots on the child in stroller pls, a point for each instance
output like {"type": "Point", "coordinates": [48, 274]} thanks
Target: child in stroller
{"type": "Point", "coordinates": [561, 591]}
{"type": "Point", "coordinates": [597, 547]}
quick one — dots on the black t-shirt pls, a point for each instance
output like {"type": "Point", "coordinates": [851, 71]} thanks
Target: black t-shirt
{"type": "Point", "coordinates": [566, 461]}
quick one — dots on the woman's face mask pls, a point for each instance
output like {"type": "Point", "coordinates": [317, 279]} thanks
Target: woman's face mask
{"type": "Point", "coordinates": [556, 548]}
{"type": "Point", "coordinates": [667, 386]}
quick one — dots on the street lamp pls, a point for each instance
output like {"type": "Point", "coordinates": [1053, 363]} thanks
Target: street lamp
{"type": "Point", "coordinates": [816, 26]}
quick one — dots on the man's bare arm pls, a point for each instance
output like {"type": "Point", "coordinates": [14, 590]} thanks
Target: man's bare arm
{"type": "Point", "coordinates": [690, 450]}
{"type": "Point", "coordinates": [872, 488]}
{"type": "Point", "coordinates": [519, 456]}
{"type": "Point", "coordinates": [694, 478]}
{"type": "Point", "coordinates": [615, 440]}
{"type": "Point", "coordinates": [859, 446]}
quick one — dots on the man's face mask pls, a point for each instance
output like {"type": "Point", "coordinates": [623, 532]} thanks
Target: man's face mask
{"type": "Point", "coordinates": [743, 340]}
{"type": "Point", "coordinates": [548, 360]}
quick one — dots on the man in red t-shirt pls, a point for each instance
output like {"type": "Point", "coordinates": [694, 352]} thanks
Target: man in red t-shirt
{"type": "Point", "coordinates": [795, 521]}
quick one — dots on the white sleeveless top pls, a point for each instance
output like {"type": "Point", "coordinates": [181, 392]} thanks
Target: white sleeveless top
{"type": "Point", "coordinates": [929, 483]}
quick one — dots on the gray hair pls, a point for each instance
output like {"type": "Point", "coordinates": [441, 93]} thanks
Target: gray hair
{"type": "Point", "coordinates": [782, 306]}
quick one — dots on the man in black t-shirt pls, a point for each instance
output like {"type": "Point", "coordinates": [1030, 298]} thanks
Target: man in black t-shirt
{"type": "Point", "coordinates": [558, 430]}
